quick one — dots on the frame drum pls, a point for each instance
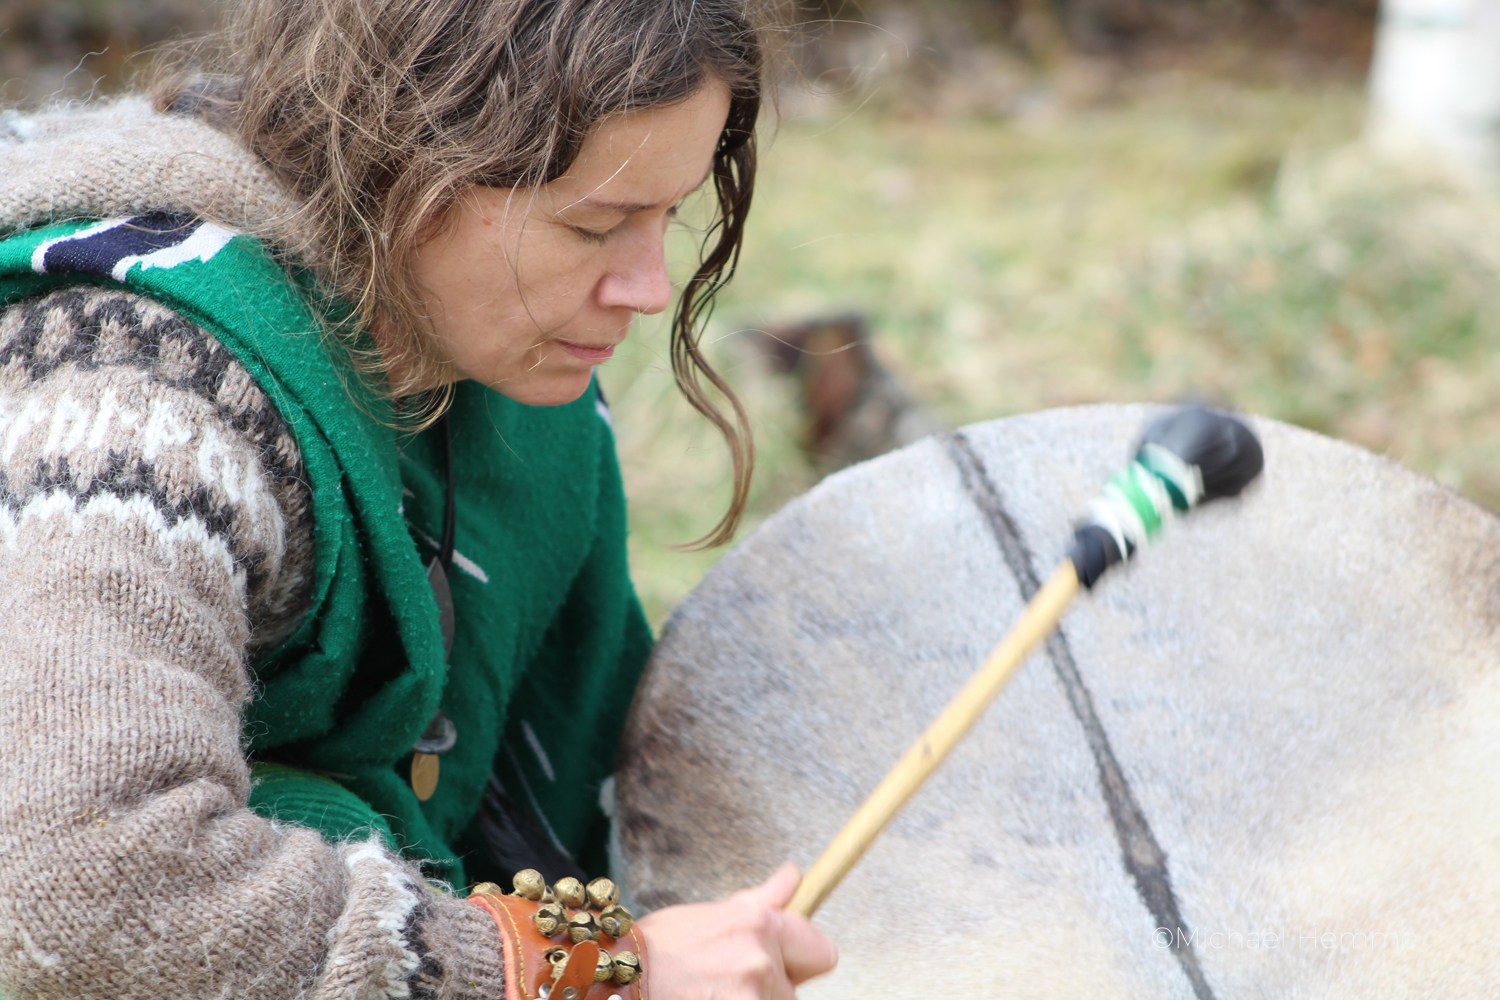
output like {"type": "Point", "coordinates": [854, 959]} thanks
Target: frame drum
{"type": "Point", "coordinates": [1261, 760]}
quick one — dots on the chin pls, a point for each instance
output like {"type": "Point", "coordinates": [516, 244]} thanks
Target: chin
{"type": "Point", "coordinates": [549, 390]}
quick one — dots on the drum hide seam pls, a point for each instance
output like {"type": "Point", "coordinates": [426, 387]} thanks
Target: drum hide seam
{"type": "Point", "coordinates": [1142, 855]}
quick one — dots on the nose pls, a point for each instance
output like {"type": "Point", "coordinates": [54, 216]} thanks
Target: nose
{"type": "Point", "coordinates": [636, 275]}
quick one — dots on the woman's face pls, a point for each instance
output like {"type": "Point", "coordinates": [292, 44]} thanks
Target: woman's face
{"type": "Point", "coordinates": [529, 288]}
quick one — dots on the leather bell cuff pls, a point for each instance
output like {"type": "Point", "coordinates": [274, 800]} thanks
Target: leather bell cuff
{"type": "Point", "coordinates": [567, 942]}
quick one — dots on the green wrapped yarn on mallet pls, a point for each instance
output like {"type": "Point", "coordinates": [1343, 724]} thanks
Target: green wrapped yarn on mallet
{"type": "Point", "coordinates": [1189, 456]}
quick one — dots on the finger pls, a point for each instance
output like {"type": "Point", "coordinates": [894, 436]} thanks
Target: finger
{"type": "Point", "coordinates": [777, 890]}
{"type": "Point", "coordinates": [805, 950]}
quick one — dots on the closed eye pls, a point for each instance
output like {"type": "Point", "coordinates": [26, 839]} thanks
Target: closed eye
{"type": "Point", "coordinates": [601, 236]}
{"type": "Point", "coordinates": [593, 235]}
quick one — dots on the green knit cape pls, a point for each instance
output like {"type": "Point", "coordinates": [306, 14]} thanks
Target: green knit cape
{"type": "Point", "coordinates": [550, 638]}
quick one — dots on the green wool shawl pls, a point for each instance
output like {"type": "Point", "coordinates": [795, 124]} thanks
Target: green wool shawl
{"type": "Point", "coordinates": [550, 638]}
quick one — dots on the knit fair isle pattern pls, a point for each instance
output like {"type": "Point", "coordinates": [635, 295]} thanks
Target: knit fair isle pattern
{"type": "Point", "coordinates": [155, 533]}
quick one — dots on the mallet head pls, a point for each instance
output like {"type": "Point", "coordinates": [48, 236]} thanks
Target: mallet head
{"type": "Point", "coordinates": [1184, 458]}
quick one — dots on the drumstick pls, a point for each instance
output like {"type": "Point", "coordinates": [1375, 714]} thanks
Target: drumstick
{"type": "Point", "coordinates": [1187, 457]}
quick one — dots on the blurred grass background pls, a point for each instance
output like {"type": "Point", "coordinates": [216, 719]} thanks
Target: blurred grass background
{"type": "Point", "coordinates": [1202, 223]}
{"type": "Point", "coordinates": [1040, 204]}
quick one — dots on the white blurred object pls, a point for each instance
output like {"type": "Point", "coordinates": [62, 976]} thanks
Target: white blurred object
{"type": "Point", "coordinates": [1435, 83]}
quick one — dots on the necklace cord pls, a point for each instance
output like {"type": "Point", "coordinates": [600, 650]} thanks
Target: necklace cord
{"type": "Point", "coordinates": [445, 555]}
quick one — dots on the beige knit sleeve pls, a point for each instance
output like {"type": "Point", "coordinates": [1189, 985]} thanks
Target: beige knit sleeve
{"type": "Point", "coordinates": [155, 531]}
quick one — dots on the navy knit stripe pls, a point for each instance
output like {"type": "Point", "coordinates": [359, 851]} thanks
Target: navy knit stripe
{"type": "Point", "coordinates": [97, 253]}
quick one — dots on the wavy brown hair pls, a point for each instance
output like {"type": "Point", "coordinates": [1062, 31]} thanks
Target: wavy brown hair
{"type": "Point", "coordinates": [377, 114]}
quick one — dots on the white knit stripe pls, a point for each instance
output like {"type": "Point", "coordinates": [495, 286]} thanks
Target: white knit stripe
{"type": "Point", "coordinates": [16, 423]}
{"type": "Point", "coordinates": [110, 411]}
{"type": "Point", "coordinates": [236, 470]}
{"type": "Point", "coordinates": [205, 241]}
{"type": "Point", "coordinates": [370, 860]}
{"type": "Point", "coordinates": [72, 422]}
{"type": "Point", "coordinates": [227, 464]}
{"type": "Point", "coordinates": [538, 750]}
{"type": "Point", "coordinates": [68, 426]}
{"type": "Point", "coordinates": [46, 959]}
{"type": "Point", "coordinates": [460, 560]}
{"type": "Point", "coordinates": [75, 518]}
{"type": "Point", "coordinates": [164, 429]}
{"type": "Point", "coordinates": [470, 567]}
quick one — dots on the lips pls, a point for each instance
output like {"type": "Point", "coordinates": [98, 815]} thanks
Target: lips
{"type": "Point", "coordinates": [587, 353]}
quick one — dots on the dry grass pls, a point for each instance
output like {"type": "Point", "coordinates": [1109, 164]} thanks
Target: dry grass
{"type": "Point", "coordinates": [1196, 237]}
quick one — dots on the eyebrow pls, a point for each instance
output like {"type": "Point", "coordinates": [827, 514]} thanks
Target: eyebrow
{"type": "Point", "coordinates": [623, 207]}
{"type": "Point", "coordinates": [631, 207]}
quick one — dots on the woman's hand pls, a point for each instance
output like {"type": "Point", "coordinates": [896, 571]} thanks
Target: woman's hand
{"type": "Point", "coordinates": [743, 948]}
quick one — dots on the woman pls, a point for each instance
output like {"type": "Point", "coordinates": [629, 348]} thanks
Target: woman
{"type": "Point", "coordinates": [376, 214]}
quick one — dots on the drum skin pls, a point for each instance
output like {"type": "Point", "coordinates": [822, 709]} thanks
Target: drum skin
{"type": "Point", "coordinates": [1262, 760]}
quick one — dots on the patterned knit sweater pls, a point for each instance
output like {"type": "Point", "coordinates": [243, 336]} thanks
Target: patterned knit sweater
{"type": "Point", "coordinates": [155, 533]}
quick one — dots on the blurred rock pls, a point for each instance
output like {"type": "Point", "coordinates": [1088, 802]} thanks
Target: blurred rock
{"type": "Point", "coordinates": [1435, 85]}
{"type": "Point", "coordinates": [853, 407]}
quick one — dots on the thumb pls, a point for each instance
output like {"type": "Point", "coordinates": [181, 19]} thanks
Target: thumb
{"type": "Point", "coordinates": [777, 890]}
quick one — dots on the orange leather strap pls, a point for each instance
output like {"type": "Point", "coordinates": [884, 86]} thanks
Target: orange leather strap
{"type": "Point", "coordinates": [529, 972]}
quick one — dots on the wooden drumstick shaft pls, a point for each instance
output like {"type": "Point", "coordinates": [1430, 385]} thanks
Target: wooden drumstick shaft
{"type": "Point", "coordinates": [1037, 622]}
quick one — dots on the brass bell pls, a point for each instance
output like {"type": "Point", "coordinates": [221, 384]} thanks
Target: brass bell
{"type": "Point", "coordinates": [627, 968]}
{"type": "Point", "coordinates": [602, 892]}
{"type": "Point", "coordinates": [529, 883]}
{"type": "Point", "coordinates": [605, 969]}
{"type": "Point", "coordinates": [486, 889]}
{"type": "Point", "coordinates": [569, 892]}
{"type": "Point", "coordinates": [550, 919]}
{"type": "Point", "coordinates": [582, 927]}
{"type": "Point", "coordinates": [616, 921]}
{"type": "Point", "coordinates": [558, 957]}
